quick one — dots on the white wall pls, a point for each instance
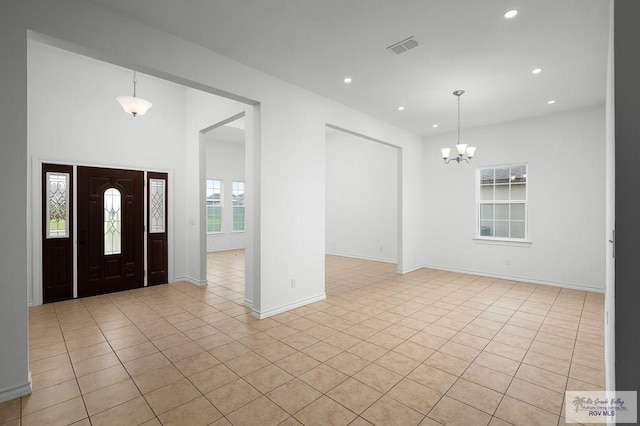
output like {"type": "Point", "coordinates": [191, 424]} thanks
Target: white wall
{"type": "Point", "coordinates": [225, 161]}
{"type": "Point", "coordinates": [14, 353]}
{"type": "Point", "coordinates": [565, 154]}
{"type": "Point", "coordinates": [362, 198]}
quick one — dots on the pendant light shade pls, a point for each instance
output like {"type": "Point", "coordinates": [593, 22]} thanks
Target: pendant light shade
{"type": "Point", "coordinates": [132, 104]}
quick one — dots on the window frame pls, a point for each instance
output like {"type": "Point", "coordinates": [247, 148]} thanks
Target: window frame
{"type": "Point", "coordinates": [524, 241]}
{"type": "Point", "coordinates": [220, 207]}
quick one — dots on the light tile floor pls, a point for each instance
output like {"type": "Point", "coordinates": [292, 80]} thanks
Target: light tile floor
{"type": "Point", "coordinates": [428, 348]}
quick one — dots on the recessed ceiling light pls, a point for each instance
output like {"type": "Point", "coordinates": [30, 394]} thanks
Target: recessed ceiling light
{"type": "Point", "coordinates": [551, 102]}
{"type": "Point", "coordinates": [510, 13]}
{"type": "Point", "coordinates": [400, 108]}
{"type": "Point", "coordinates": [536, 71]}
{"type": "Point", "coordinates": [347, 80]}
{"type": "Point", "coordinates": [435, 126]}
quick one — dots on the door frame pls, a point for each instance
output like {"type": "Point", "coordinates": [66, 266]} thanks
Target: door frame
{"type": "Point", "coordinates": [252, 149]}
{"type": "Point", "coordinates": [34, 237]}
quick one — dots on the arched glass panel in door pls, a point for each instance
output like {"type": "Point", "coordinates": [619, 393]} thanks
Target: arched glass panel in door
{"type": "Point", "coordinates": [112, 221]}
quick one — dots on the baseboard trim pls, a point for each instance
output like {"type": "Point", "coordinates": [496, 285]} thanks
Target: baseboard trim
{"type": "Point", "coordinates": [289, 306]}
{"type": "Point", "coordinates": [527, 280]}
{"type": "Point", "coordinates": [394, 262]}
{"type": "Point", "coordinates": [248, 303]}
{"type": "Point", "coordinates": [16, 392]}
{"type": "Point", "coordinates": [373, 259]}
{"type": "Point", "coordinates": [226, 249]}
{"type": "Point", "coordinates": [411, 269]}
{"type": "Point", "coordinates": [193, 281]}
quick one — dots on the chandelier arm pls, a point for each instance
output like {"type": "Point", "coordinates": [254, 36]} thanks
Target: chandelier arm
{"type": "Point", "coordinates": [458, 158]}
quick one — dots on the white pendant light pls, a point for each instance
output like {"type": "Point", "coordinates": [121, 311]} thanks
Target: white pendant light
{"type": "Point", "coordinates": [132, 104]}
{"type": "Point", "coordinates": [463, 151]}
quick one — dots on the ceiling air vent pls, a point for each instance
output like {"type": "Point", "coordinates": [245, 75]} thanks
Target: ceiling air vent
{"type": "Point", "coordinates": [403, 46]}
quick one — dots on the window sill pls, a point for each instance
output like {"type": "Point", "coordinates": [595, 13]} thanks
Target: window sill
{"type": "Point", "coordinates": [502, 242]}
{"type": "Point", "coordinates": [237, 232]}
{"type": "Point", "coordinates": [215, 233]}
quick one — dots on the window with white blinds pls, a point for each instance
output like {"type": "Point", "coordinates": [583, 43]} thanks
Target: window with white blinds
{"type": "Point", "coordinates": [502, 202]}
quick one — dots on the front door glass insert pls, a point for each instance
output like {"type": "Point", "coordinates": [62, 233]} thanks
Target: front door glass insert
{"type": "Point", "coordinates": [156, 206]}
{"type": "Point", "coordinates": [57, 220]}
{"type": "Point", "coordinates": [112, 221]}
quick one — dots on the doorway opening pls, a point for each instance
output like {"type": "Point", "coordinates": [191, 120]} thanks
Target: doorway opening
{"type": "Point", "coordinates": [363, 207]}
{"type": "Point", "coordinates": [226, 231]}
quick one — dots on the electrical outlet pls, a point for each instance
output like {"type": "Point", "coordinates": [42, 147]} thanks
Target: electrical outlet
{"type": "Point", "coordinates": [293, 283]}
{"type": "Point", "coordinates": [508, 262]}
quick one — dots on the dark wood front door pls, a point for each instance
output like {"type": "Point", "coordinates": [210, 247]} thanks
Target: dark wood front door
{"type": "Point", "coordinates": [57, 232]}
{"type": "Point", "coordinates": [157, 251]}
{"type": "Point", "coordinates": [110, 230]}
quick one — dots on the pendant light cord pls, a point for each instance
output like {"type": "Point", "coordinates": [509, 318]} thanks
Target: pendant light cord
{"type": "Point", "coordinates": [459, 119]}
{"type": "Point", "coordinates": [135, 81]}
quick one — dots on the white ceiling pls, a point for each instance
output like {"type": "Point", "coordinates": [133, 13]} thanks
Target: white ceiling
{"type": "Point", "coordinates": [464, 44]}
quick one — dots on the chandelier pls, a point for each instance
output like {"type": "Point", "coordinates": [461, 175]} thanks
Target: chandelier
{"type": "Point", "coordinates": [464, 152]}
{"type": "Point", "coordinates": [131, 104]}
